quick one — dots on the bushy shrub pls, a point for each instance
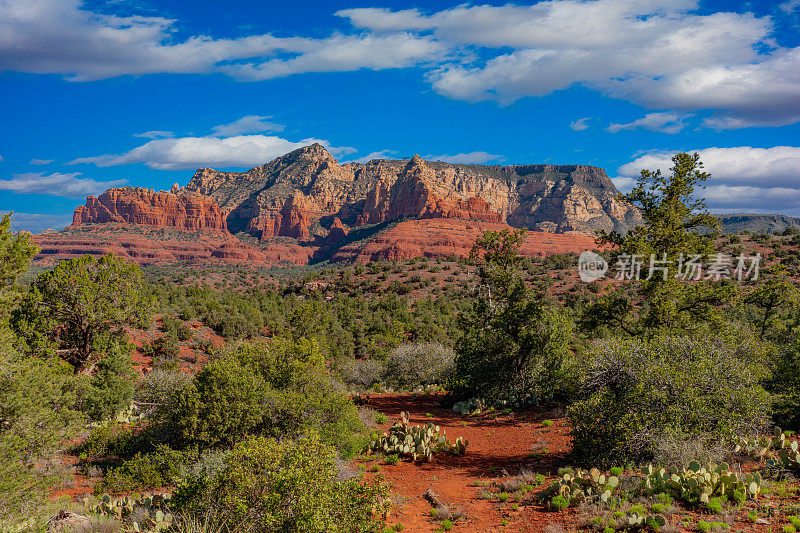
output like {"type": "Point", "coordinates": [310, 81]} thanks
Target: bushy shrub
{"type": "Point", "coordinates": [361, 374]}
{"type": "Point", "coordinates": [278, 388]}
{"type": "Point", "coordinates": [163, 347]}
{"type": "Point", "coordinates": [287, 485]}
{"type": "Point", "coordinates": [638, 392]}
{"type": "Point", "coordinates": [36, 414]}
{"type": "Point", "coordinates": [158, 387]}
{"type": "Point", "coordinates": [110, 388]}
{"type": "Point", "coordinates": [422, 363]}
{"type": "Point", "coordinates": [147, 471]}
{"type": "Point", "coordinates": [785, 383]}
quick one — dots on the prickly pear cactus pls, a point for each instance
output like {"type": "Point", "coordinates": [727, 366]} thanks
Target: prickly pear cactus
{"type": "Point", "coordinates": [582, 486]}
{"type": "Point", "coordinates": [759, 446]}
{"type": "Point", "coordinates": [697, 484]}
{"type": "Point", "coordinates": [152, 511]}
{"type": "Point", "coordinates": [130, 415]}
{"type": "Point", "coordinates": [786, 459]}
{"type": "Point", "coordinates": [416, 442]}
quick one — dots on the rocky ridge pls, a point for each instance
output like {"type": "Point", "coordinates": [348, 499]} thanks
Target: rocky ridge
{"type": "Point", "coordinates": [306, 204]}
{"type": "Point", "coordinates": [299, 194]}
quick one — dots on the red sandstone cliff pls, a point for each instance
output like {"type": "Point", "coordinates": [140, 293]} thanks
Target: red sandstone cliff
{"type": "Point", "coordinates": [135, 205]}
{"type": "Point", "coordinates": [308, 196]}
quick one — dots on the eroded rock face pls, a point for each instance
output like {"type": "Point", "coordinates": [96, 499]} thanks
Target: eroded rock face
{"type": "Point", "coordinates": [135, 205]}
{"type": "Point", "coordinates": [308, 196]}
{"type": "Point", "coordinates": [292, 194]}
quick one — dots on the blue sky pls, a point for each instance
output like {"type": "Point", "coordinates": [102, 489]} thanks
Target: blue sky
{"type": "Point", "coordinates": [142, 92]}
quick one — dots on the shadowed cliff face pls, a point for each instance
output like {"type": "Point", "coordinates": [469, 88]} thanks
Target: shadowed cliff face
{"type": "Point", "coordinates": [297, 195]}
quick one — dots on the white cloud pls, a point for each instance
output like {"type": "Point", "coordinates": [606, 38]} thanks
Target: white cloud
{"type": "Point", "coordinates": [464, 158]}
{"type": "Point", "coordinates": [744, 199]}
{"type": "Point", "coordinates": [742, 179]}
{"type": "Point", "coordinates": [789, 6]}
{"type": "Point", "coordinates": [659, 54]}
{"type": "Point", "coordinates": [343, 53]}
{"type": "Point", "coordinates": [155, 134]}
{"type": "Point", "coordinates": [778, 166]}
{"type": "Point", "coordinates": [36, 222]}
{"type": "Point", "coordinates": [56, 184]}
{"type": "Point", "coordinates": [61, 37]}
{"type": "Point", "coordinates": [247, 124]}
{"type": "Point", "coordinates": [193, 152]}
{"type": "Point", "coordinates": [666, 122]}
{"type": "Point", "coordinates": [624, 184]}
{"type": "Point", "coordinates": [41, 161]}
{"type": "Point", "coordinates": [580, 124]}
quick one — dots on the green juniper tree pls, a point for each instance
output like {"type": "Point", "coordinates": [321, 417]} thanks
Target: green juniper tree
{"type": "Point", "coordinates": [36, 398]}
{"type": "Point", "coordinates": [513, 343]}
{"type": "Point", "coordinates": [676, 230]}
{"type": "Point", "coordinates": [84, 304]}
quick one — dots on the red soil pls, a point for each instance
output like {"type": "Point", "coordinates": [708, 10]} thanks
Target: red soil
{"type": "Point", "coordinates": [495, 444]}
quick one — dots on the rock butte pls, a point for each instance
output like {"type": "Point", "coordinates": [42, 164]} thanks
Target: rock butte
{"type": "Point", "coordinates": [306, 206]}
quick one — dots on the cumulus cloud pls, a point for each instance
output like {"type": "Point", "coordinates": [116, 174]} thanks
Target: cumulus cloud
{"type": "Point", "coordinates": [580, 124]}
{"type": "Point", "coordinates": [41, 161]}
{"type": "Point", "coordinates": [64, 37]}
{"type": "Point", "coordinates": [247, 124]}
{"type": "Point", "coordinates": [661, 54]}
{"type": "Point", "coordinates": [193, 152]}
{"type": "Point", "coordinates": [789, 6]}
{"type": "Point", "coordinates": [743, 178]}
{"type": "Point", "coordinates": [155, 134]}
{"type": "Point", "coordinates": [56, 184]}
{"type": "Point", "coordinates": [658, 54]}
{"type": "Point", "coordinates": [744, 199]}
{"type": "Point", "coordinates": [663, 122]}
{"type": "Point", "coordinates": [36, 222]}
{"type": "Point", "coordinates": [464, 158]}
{"type": "Point", "coordinates": [343, 53]}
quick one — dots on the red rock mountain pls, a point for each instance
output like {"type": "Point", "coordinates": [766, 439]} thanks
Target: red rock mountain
{"type": "Point", "coordinates": [134, 205]}
{"type": "Point", "coordinates": [297, 195]}
{"type": "Point", "coordinates": [319, 205]}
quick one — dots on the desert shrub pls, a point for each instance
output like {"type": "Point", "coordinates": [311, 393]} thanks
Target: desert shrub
{"type": "Point", "coordinates": [111, 386]}
{"type": "Point", "coordinates": [785, 383]}
{"type": "Point", "coordinates": [513, 343]}
{"type": "Point", "coordinates": [36, 414]}
{"type": "Point", "coordinates": [361, 374]}
{"type": "Point", "coordinates": [422, 363]}
{"type": "Point", "coordinates": [144, 471]}
{"type": "Point", "coordinates": [163, 347]}
{"type": "Point", "coordinates": [159, 387]}
{"type": "Point", "coordinates": [105, 440]}
{"type": "Point", "coordinates": [278, 388]}
{"type": "Point", "coordinates": [637, 393]}
{"type": "Point", "coordinates": [287, 485]}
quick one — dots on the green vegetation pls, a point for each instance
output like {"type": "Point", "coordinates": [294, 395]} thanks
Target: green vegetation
{"type": "Point", "coordinates": [279, 389]}
{"type": "Point", "coordinates": [662, 380]}
{"type": "Point", "coordinates": [513, 345]}
{"type": "Point", "coordinates": [291, 485]}
{"type": "Point", "coordinates": [643, 398]}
